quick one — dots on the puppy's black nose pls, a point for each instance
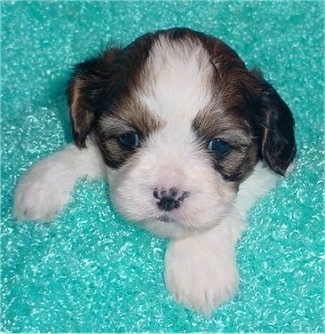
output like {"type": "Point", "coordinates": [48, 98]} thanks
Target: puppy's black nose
{"type": "Point", "coordinates": [169, 199]}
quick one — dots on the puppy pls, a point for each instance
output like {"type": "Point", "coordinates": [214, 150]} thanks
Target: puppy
{"type": "Point", "coordinates": [188, 139]}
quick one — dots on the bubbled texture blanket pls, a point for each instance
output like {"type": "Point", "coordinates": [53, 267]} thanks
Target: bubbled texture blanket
{"type": "Point", "coordinates": [89, 270]}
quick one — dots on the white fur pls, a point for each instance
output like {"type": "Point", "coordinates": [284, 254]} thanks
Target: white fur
{"type": "Point", "coordinates": [48, 185]}
{"type": "Point", "coordinates": [201, 270]}
{"type": "Point", "coordinates": [200, 261]}
{"type": "Point", "coordinates": [177, 81]}
{"type": "Point", "coordinates": [176, 85]}
{"type": "Point", "coordinates": [163, 164]}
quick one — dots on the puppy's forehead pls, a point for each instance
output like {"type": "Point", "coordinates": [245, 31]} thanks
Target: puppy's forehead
{"type": "Point", "coordinates": [176, 80]}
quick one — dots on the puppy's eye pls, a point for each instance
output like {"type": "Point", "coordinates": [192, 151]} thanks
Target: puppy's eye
{"type": "Point", "coordinates": [218, 146]}
{"type": "Point", "coordinates": [129, 140]}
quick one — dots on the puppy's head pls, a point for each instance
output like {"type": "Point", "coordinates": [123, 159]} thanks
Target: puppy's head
{"type": "Point", "coordinates": [180, 123]}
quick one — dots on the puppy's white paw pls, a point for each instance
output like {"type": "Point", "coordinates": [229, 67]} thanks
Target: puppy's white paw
{"type": "Point", "coordinates": [42, 192]}
{"type": "Point", "coordinates": [200, 273]}
{"type": "Point", "coordinates": [48, 185]}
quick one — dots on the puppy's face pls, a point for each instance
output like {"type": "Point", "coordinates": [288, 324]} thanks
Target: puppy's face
{"type": "Point", "coordinates": [180, 123]}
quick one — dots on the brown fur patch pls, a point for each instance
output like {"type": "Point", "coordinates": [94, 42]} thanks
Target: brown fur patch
{"type": "Point", "coordinates": [125, 117]}
{"type": "Point", "coordinates": [227, 126]}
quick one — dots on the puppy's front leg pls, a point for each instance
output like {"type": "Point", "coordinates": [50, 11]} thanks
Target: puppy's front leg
{"type": "Point", "coordinates": [47, 185]}
{"type": "Point", "coordinates": [201, 270]}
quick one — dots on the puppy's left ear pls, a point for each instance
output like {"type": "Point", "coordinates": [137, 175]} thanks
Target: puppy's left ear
{"type": "Point", "coordinates": [278, 147]}
{"type": "Point", "coordinates": [85, 93]}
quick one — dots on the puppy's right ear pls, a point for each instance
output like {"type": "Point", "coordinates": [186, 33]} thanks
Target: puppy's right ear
{"type": "Point", "coordinates": [85, 89]}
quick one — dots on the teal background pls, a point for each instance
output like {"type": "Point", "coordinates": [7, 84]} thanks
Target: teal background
{"type": "Point", "coordinates": [90, 271]}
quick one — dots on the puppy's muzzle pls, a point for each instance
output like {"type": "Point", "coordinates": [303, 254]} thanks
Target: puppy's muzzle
{"type": "Point", "coordinates": [170, 199]}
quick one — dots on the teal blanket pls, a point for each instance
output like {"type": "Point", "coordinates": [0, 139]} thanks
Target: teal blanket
{"type": "Point", "coordinates": [89, 270]}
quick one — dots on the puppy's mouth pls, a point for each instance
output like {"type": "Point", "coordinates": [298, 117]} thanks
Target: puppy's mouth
{"type": "Point", "coordinates": [165, 219]}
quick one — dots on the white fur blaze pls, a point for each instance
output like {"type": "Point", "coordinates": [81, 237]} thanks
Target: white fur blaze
{"type": "Point", "coordinates": [185, 66]}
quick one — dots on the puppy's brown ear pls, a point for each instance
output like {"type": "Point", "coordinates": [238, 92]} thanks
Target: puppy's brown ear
{"type": "Point", "coordinates": [278, 147]}
{"type": "Point", "coordinates": [85, 90]}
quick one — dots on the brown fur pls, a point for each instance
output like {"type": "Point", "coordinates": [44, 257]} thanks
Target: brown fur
{"type": "Point", "coordinates": [124, 117]}
{"type": "Point", "coordinates": [246, 110]}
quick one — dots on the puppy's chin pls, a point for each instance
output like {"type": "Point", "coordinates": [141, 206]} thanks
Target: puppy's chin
{"type": "Point", "coordinates": [169, 228]}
